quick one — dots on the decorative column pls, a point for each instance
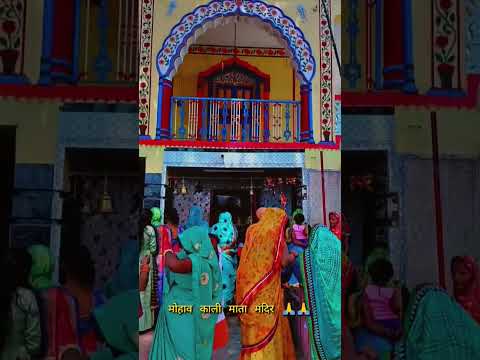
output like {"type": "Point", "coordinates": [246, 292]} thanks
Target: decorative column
{"type": "Point", "coordinates": [393, 44]}
{"type": "Point", "coordinates": [398, 46]}
{"type": "Point", "coordinates": [60, 44]}
{"type": "Point", "coordinates": [446, 41]}
{"type": "Point", "coordinates": [165, 92]}
{"type": "Point", "coordinates": [306, 131]}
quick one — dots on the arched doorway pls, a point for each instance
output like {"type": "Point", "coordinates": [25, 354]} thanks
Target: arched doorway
{"type": "Point", "coordinates": [216, 13]}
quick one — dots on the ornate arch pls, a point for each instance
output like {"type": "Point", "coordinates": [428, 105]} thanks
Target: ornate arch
{"type": "Point", "coordinates": [191, 25]}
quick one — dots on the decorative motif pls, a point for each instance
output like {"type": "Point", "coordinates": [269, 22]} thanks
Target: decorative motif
{"type": "Point", "coordinates": [338, 116]}
{"type": "Point", "coordinates": [472, 35]}
{"type": "Point", "coordinates": [301, 13]}
{"type": "Point", "coordinates": [238, 51]}
{"type": "Point", "coordinates": [326, 101]}
{"type": "Point", "coordinates": [445, 43]}
{"type": "Point", "coordinates": [272, 15]}
{"type": "Point", "coordinates": [204, 276]}
{"type": "Point", "coordinates": [144, 82]}
{"type": "Point", "coordinates": [12, 16]}
{"type": "Point", "coordinates": [234, 78]}
{"type": "Point", "coordinates": [172, 5]}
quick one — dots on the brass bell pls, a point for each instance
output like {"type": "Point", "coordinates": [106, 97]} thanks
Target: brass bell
{"type": "Point", "coordinates": [106, 204]}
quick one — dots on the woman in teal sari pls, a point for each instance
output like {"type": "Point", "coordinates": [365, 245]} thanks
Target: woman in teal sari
{"type": "Point", "coordinates": [193, 279]}
{"type": "Point", "coordinates": [320, 271]}
{"type": "Point", "coordinates": [195, 218]}
{"type": "Point", "coordinates": [437, 328]}
{"type": "Point", "coordinates": [224, 230]}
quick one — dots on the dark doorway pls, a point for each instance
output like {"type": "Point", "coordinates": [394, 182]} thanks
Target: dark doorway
{"type": "Point", "coordinates": [7, 161]}
{"type": "Point", "coordinates": [88, 174]}
{"type": "Point", "coordinates": [364, 184]}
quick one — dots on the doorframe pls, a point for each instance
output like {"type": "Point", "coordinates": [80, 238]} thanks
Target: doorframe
{"type": "Point", "coordinates": [225, 160]}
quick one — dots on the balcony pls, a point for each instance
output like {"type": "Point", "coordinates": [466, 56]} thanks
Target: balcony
{"type": "Point", "coordinates": [234, 120]}
{"type": "Point", "coordinates": [90, 42]}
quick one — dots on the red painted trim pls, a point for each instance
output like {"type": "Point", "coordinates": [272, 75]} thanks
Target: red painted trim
{"type": "Point", "coordinates": [240, 51]}
{"type": "Point", "coordinates": [221, 66]}
{"type": "Point", "coordinates": [90, 93]}
{"type": "Point", "coordinates": [324, 200]}
{"type": "Point", "coordinates": [166, 86]}
{"type": "Point", "coordinates": [437, 202]}
{"type": "Point", "coordinates": [395, 98]}
{"type": "Point", "coordinates": [241, 145]}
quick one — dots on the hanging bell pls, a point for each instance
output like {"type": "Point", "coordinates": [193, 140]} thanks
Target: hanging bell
{"type": "Point", "coordinates": [183, 190]}
{"type": "Point", "coordinates": [106, 204]}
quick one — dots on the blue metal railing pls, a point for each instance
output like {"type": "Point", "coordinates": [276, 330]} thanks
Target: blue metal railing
{"type": "Point", "coordinates": [234, 120]}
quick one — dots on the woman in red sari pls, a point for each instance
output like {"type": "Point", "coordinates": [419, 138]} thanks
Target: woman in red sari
{"type": "Point", "coordinates": [466, 281]}
{"type": "Point", "coordinates": [265, 336]}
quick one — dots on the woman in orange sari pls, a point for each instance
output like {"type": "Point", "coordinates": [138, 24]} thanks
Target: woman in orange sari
{"type": "Point", "coordinates": [265, 336]}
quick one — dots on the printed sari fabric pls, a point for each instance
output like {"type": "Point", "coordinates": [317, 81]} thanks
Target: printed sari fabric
{"type": "Point", "coordinates": [224, 230]}
{"type": "Point", "coordinates": [437, 328]}
{"type": "Point", "coordinates": [264, 336]}
{"type": "Point", "coordinates": [189, 336]}
{"type": "Point", "coordinates": [321, 273]}
{"type": "Point", "coordinates": [118, 325]}
{"type": "Point", "coordinates": [148, 249]}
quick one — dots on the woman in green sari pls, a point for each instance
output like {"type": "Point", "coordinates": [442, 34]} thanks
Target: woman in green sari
{"type": "Point", "coordinates": [437, 328]}
{"type": "Point", "coordinates": [193, 279]}
{"type": "Point", "coordinates": [320, 271]}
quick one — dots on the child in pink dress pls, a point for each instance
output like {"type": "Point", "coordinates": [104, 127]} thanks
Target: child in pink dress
{"type": "Point", "coordinates": [382, 309]}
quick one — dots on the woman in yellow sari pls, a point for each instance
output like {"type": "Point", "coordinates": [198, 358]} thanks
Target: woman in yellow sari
{"type": "Point", "coordinates": [265, 336]}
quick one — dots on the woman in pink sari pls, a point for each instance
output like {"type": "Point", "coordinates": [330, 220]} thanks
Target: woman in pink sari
{"type": "Point", "coordinates": [466, 282]}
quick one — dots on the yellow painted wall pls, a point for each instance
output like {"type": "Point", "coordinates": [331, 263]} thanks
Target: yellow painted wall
{"type": "Point", "coordinates": [37, 130]}
{"type": "Point", "coordinates": [279, 69]}
{"type": "Point", "coordinates": [162, 25]}
{"type": "Point", "coordinates": [33, 40]}
{"type": "Point", "coordinates": [455, 138]}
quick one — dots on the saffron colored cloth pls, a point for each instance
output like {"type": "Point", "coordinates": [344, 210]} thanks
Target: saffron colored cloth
{"type": "Point", "coordinates": [264, 336]}
{"type": "Point", "coordinates": [469, 298]}
{"type": "Point", "coordinates": [189, 335]}
{"type": "Point", "coordinates": [437, 328]}
{"type": "Point", "coordinates": [321, 278]}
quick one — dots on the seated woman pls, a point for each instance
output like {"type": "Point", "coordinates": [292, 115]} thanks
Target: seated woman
{"type": "Point", "coordinates": [193, 279]}
{"type": "Point", "coordinates": [264, 335]}
{"type": "Point", "coordinates": [381, 310]}
{"type": "Point", "coordinates": [466, 284]}
{"type": "Point", "coordinates": [437, 328]}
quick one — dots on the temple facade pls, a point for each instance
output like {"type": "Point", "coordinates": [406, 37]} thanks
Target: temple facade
{"type": "Point", "coordinates": [240, 106]}
{"type": "Point", "coordinates": [410, 128]}
{"type": "Point", "coordinates": [68, 94]}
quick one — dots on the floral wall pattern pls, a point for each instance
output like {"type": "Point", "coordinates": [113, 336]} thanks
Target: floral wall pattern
{"type": "Point", "coordinates": [446, 72]}
{"type": "Point", "coordinates": [176, 43]}
{"type": "Point", "coordinates": [12, 29]}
